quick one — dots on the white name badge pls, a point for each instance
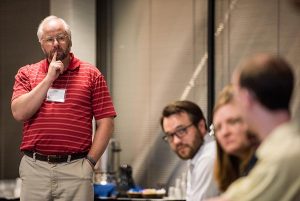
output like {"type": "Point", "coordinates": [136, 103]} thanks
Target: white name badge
{"type": "Point", "coordinates": [56, 95]}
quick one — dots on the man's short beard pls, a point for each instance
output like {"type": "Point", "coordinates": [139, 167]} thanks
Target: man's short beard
{"type": "Point", "coordinates": [186, 157]}
{"type": "Point", "coordinates": [193, 149]}
{"type": "Point", "coordinates": [59, 57]}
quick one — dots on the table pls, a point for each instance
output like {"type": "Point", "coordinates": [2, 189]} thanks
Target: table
{"type": "Point", "coordinates": [109, 199]}
{"type": "Point", "coordinates": [137, 199]}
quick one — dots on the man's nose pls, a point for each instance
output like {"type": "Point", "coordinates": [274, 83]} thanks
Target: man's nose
{"type": "Point", "coordinates": [176, 139]}
{"type": "Point", "coordinates": [55, 42]}
{"type": "Point", "coordinates": [224, 131]}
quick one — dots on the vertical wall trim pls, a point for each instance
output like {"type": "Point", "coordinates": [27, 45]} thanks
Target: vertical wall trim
{"type": "Point", "coordinates": [211, 59]}
{"type": "Point", "coordinates": [278, 27]}
{"type": "Point", "coordinates": [103, 35]}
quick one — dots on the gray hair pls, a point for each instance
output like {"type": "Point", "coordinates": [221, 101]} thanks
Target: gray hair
{"type": "Point", "coordinates": [47, 19]}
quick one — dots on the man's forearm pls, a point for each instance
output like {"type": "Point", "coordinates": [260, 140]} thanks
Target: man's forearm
{"type": "Point", "coordinates": [103, 133]}
{"type": "Point", "coordinates": [27, 104]}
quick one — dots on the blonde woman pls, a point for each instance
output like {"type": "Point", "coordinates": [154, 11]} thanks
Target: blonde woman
{"type": "Point", "coordinates": [235, 144]}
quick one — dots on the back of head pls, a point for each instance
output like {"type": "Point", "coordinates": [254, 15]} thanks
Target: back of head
{"type": "Point", "coordinates": [270, 78]}
{"type": "Point", "coordinates": [193, 110]}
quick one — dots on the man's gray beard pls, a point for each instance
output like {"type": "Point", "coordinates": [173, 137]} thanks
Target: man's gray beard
{"type": "Point", "coordinates": [58, 57]}
{"type": "Point", "coordinates": [62, 57]}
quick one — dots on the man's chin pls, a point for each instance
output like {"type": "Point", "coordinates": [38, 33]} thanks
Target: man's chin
{"type": "Point", "coordinates": [183, 154]}
{"type": "Point", "coordinates": [61, 56]}
{"type": "Point", "coordinates": [183, 157]}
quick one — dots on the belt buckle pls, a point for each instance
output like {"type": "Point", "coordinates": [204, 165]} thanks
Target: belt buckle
{"type": "Point", "coordinates": [48, 158]}
{"type": "Point", "coordinates": [54, 156]}
{"type": "Point", "coordinates": [69, 159]}
{"type": "Point", "coordinates": [34, 156]}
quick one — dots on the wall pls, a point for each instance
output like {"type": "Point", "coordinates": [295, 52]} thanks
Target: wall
{"type": "Point", "coordinates": [156, 48]}
{"type": "Point", "coordinates": [257, 26]}
{"type": "Point", "coordinates": [158, 45]}
{"type": "Point", "coordinates": [80, 15]}
{"type": "Point", "coordinates": [19, 46]}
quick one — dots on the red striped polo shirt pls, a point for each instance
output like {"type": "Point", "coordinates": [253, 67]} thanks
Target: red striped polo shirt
{"type": "Point", "coordinates": [64, 128]}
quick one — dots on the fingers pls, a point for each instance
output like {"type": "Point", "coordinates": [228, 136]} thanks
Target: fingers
{"type": "Point", "coordinates": [60, 67]}
{"type": "Point", "coordinates": [54, 57]}
{"type": "Point", "coordinates": [57, 65]}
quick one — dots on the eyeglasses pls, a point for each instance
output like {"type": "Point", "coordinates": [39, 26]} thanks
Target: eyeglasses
{"type": "Point", "coordinates": [62, 38]}
{"type": "Point", "coordinates": [168, 137]}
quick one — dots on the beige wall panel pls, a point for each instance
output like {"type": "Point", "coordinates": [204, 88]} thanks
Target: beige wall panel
{"type": "Point", "coordinates": [19, 46]}
{"type": "Point", "coordinates": [253, 27]}
{"type": "Point", "coordinates": [153, 60]}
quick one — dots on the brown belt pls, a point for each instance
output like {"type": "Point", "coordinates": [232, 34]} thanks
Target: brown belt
{"type": "Point", "coordinates": [55, 158]}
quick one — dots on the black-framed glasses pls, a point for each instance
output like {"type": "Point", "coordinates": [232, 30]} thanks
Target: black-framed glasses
{"type": "Point", "coordinates": [168, 137]}
{"type": "Point", "coordinates": [61, 38]}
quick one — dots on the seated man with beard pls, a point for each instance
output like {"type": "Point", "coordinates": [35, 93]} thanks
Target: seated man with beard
{"type": "Point", "coordinates": [185, 130]}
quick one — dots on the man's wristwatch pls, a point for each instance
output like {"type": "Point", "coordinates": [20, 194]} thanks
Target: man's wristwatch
{"type": "Point", "coordinates": [91, 160]}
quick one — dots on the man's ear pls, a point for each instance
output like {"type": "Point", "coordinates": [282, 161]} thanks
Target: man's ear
{"type": "Point", "coordinates": [247, 98]}
{"type": "Point", "coordinates": [202, 127]}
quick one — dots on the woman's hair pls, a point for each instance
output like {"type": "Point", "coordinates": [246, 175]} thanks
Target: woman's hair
{"type": "Point", "coordinates": [228, 167]}
{"type": "Point", "coordinates": [225, 97]}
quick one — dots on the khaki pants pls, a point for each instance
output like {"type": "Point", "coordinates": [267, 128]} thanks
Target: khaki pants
{"type": "Point", "coordinates": [43, 181]}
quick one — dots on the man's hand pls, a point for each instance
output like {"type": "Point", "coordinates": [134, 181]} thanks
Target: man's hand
{"type": "Point", "coordinates": [55, 68]}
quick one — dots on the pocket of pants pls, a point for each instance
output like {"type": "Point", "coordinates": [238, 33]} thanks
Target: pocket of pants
{"type": "Point", "coordinates": [87, 169]}
{"type": "Point", "coordinates": [21, 166]}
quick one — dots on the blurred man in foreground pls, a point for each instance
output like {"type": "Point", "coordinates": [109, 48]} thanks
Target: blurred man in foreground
{"type": "Point", "coordinates": [263, 87]}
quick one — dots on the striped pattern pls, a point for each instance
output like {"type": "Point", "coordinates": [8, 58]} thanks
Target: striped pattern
{"type": "Point", "coordinates": [63, 128]}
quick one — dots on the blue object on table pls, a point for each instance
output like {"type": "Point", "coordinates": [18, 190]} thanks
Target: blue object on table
{"type": "Point", "coordinates": [105, 190]}
{"type": "Point", "coordinates": [136, 189]}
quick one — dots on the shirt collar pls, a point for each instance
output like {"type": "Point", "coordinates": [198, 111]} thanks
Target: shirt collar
{"type": "Point", "coordinates": [277, 136]}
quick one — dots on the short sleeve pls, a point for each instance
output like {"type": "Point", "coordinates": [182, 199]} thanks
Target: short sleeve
{"type": "Point", "coordinates": [101, 99]}
{"type": "Point", "coordinates": [22, 83]}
